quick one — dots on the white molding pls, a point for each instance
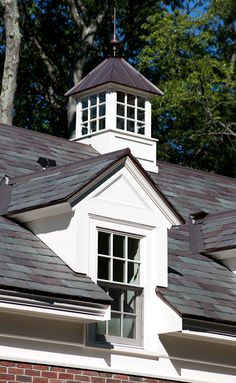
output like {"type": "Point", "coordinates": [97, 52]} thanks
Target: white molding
{"type": "Point", "coordinates": [82, 313]}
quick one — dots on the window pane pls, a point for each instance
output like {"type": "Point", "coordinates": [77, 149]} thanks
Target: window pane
{"type": "Point", "coordinates": [120, 110]}
{"type": "Point", "coordinates": [103, 268]}
{"type": "Point", "coordinates": [93, 99]}
{"type": "Point", "coordinates": [93, 112]}
{"type": "Point", "coordinates": [130, 126]}
{"type": "Point", "coordinates": [102, 110]}
{"type": "Point", "coordinates": [101, 124]}
{"type": "Point", "coordinates": [101, 328]}
{"type": "Point", "coordinates": [130, 99]}
{"type": "Point", "coordinates": [84, 129]}
{"type": "Point", "coordinates": [93, 126]}
{"type": "Point", "coordinates": [116, 295]}
{"type": "Point", "coordinates": [141, 102]}
{"type": "Point", "coordinates": [130, 301]}
{"type": "Point", "coordinates": [130, 112]}
{"type": "Point", "coordinates": [118, 270]}
{"type": "Point", "coordinates": [133, 249]}
{"type": "Point", "coordinates": [114, 325]}
{"type": "Point", "coordinates": [85, 115]}
{"type": "Point", "coordinates": [102, 97]}
{"type": "Point", "coordinates": [120, 123]}
{"type": "Point", "coordinates": [103, 243]}
{"type": "Point", "coordinates": [140, 115]}
{"type": "Point", "coordinates": [129, 326]}
{"type": "Point", "coordinates": [84, 102]}
{"type": "Point", "coordinates": [141, 129]}
{"type": "Point", "coordinates": [120, 97]}
{"type": "Point", "coordinates": [133, 273]}
{"type": "Point", "coordinates": [118, 246]}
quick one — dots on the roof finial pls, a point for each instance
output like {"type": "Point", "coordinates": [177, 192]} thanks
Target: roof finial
{"type": "Point", "coordinates": [114, 40]}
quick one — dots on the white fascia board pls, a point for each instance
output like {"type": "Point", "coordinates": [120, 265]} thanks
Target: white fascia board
{"type": "Point", "coordinates": [120, 133]}
{"type": "Point", "coordinates": [205, 336]}
{"type": "Point", "coordinates": [93, 184]}
{"type": "Point", "coordinates": [47, 211]}
{"type": "Point", "coordinates": [173, 219]}
{"type": "Point", "coordinates": [112, 86]}
{"type": "Point", "coordinates": [80, 312]}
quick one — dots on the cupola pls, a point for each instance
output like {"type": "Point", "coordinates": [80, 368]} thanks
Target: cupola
{"type": "Point", "coordinates": [114, 110]}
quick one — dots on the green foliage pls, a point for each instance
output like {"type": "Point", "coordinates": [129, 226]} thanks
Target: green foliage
{"type": "Point", "coordinates": [195, 120]}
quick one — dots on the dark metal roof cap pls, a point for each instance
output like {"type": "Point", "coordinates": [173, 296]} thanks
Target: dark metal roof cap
{"type": "Point", "coordinates": [118, 71]}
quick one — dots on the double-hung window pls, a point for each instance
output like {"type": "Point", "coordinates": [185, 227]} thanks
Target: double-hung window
{"type": "Point", "coordinates": [118, 273]}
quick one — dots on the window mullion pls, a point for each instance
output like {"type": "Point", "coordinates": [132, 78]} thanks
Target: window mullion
{"type": "Point", "coordinates": [111, 257]}
{"type": "Point", "coordinates": [122, 314]}
{"type": "Point", "coordinates": [126, 259]}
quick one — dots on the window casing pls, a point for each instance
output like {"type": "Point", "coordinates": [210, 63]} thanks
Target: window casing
{"type": "Point", "coordinates": [119, 275]}
{"type": "Point", "coordinates": [130, 110]}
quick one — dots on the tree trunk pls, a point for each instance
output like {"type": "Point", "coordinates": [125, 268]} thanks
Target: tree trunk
{"type": "Point", "coordinates": [13, 37]}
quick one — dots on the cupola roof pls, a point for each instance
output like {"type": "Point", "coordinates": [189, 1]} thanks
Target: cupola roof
{"type": "Point", "coordinates": [118, 71]}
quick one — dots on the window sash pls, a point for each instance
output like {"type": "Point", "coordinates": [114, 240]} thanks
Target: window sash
{"type": "Point", "coordinates": [125, 325]}
{"type": "Point", "coordinates": [130, 113]}
{"type": "Point", "coordinates": [118, 266]}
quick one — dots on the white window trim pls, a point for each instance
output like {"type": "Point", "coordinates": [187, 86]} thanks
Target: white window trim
{"type": "Point", "coordinates": [126, 228]}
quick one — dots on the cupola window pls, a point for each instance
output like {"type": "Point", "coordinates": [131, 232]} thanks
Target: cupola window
{"type": "Point", "coordinates": [130, 113]}
{"type": "Point", "coordinates": [93, 111]}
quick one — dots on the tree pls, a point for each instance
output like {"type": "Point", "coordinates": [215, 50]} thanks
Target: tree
{"type": "Point", "coordinates": [195, 120]}
{"type": "Point", "coordinates": [12, 49]}
{"type": "Point", "coordinates": [62, 42]}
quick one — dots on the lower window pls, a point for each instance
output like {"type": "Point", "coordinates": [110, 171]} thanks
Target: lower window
{"type": "Point", "coordinates": [126, 316]}
{"type": "Point", "coordinates": [118, 274]}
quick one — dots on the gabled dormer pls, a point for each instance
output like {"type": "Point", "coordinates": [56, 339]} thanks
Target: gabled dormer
{"type": "Point", "coordinates": [114, 110]}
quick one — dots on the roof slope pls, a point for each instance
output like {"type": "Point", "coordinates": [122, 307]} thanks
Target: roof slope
{"type": "Point", "coordinates": [219, 231]}
{"type": "Point", "coordinates": [57, 184]}
{"type": "Point", "coordinates": [21, 148]}
{"type": "Point", "coordinates": [118, 71]}
{"type": "Point", "coordinates": [198, 285]}
{"type": "Point", "coordinates": [191, 191]}
{"type": "Point", "coordinates": [28, 265]}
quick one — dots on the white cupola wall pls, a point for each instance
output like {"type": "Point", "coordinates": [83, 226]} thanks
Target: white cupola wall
{"type": "Point", "coordinates": [113, 111]}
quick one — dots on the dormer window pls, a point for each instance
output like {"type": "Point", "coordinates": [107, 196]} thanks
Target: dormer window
{"type": "Point", "coordinates": [93, 111]}
{"type": "Point", "coordinates": [130, 113]}
{"type": "Point", "coordinates": [119, 275]}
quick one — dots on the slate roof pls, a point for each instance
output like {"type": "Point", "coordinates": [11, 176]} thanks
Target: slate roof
{"type": "Point", "coordinates": [28, 265]}
{"type": "Point", "coordinates": [118, 71]}
{"type": "Point", "coordinates": [58, 183]}
{"type": "Point", "coordinates": [199, 286]}
{"type": "Point", "coordinates": [21, 148]}
{"type": "Point", "coordinates": [191, 191]}
{"type": "Point", "coordinates": [219, 231]}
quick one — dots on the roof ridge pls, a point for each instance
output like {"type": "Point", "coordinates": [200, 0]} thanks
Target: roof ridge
{"type": "Point", "coordinates": [84, 162]}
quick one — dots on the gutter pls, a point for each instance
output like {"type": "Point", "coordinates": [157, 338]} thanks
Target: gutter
{"type": "Point", "coordinates": [81, 311]}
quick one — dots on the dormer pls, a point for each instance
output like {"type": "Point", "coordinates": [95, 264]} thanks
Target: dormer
{"type": "Point", "coordinates": [114, 110]}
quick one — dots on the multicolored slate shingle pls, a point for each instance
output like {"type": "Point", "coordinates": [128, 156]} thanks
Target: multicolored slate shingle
{"type": "Point", "coordinates": [199, 286]}
{"type": "Point", "coordinates": [28, 265]}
